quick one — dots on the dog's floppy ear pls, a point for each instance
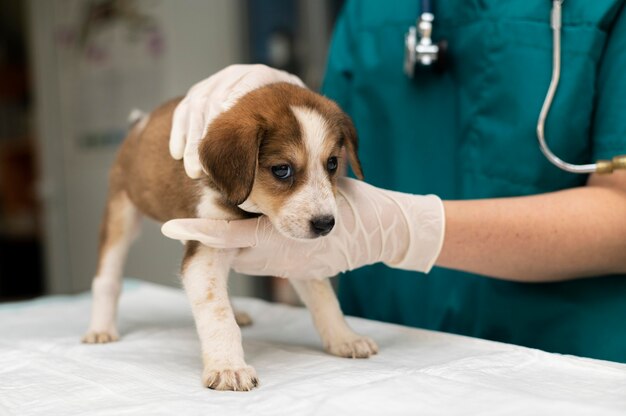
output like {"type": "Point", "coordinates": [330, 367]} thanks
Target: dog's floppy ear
{"type": "Point", "coordinates": [229, 154]}
{"type": "Point", "coordinates": [351, 142]}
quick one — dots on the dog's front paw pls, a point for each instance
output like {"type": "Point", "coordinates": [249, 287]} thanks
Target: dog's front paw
{"type": "Point", "coordinates": [100, 337]}
{"type": "Point", "coordinates": [236, 379]}
{"type": "Point", "coordinates": [357, 347]}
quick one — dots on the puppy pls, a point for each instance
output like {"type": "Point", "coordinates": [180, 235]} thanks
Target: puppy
{"type": "Point", "coordinates": [278, 152]}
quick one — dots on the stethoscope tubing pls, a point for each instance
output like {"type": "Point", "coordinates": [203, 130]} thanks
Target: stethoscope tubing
{"type": "Point", "coordinates": [412, 53]}
{"type": "Point", "coordinates": [547, 103]}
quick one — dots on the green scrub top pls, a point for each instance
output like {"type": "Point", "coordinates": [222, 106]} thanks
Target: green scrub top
{"type": "Point", "coordinates": [470, 133]}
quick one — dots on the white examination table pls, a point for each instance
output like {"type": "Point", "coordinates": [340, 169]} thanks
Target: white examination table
{"type": "Point", "coordinates": [155, 368]}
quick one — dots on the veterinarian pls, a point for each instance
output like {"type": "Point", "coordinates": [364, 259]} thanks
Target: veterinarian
{"type": "Point", "coordinates": [531, 254]}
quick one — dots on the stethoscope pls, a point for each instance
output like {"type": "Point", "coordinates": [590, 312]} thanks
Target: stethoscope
{"type": "Point", "coordinates": [419, 50]}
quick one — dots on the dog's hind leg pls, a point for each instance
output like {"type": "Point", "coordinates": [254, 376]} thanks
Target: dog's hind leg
{"type": "Point", "coordinates": [119, 228]}
{"type": "Point", "coordinates": [338, 338]}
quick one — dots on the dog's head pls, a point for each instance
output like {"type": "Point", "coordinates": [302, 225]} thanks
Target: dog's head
{"type": "Point", "coordinates": [278, 151]}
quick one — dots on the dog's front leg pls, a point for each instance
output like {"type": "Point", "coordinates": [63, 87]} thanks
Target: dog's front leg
{"type": "Point", "coordinates": [338, 338]}
{"type": "Point", "coordinates": [204, 275]}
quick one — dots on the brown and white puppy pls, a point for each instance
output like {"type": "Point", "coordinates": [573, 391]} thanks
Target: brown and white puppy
{"type": "Point", "coordinates": [276, 152]}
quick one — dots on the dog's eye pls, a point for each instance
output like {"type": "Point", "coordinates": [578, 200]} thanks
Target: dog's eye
{"type": "Point", "coordinates": [282, 171]}
{"type": "Point", "coordinates": [332, 164]}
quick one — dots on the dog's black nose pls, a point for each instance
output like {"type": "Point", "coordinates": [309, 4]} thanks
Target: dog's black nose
{"type": "Point", "coordinates": [322, 225]}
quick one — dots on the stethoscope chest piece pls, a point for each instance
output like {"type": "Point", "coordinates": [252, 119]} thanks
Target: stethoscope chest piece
{"type": "Point", "coordinates": [419, 49]}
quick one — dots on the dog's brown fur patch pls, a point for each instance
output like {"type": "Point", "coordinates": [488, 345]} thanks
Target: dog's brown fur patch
{"type": "Point", "coordinates": [155, 182]}
{"type": "Point", "coordinates": [261, 131]}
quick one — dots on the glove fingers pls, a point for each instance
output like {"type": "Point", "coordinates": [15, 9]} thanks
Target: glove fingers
{"type": "Point", "coordinates": [193, 167]}
{"type": "Point", "coordinates": [195, 128]}
{"type": "Point", "coordinates": [179, 126]}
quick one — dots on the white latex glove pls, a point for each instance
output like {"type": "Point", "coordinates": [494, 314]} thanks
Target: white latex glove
{"type": "Point", "coordinates": [373, 225]}
{"type": "Point", "coordinates": [208, 99]}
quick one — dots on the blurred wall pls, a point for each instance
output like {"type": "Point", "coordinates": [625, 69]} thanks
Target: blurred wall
{"type": "Point", "coordinates": [93, 61]}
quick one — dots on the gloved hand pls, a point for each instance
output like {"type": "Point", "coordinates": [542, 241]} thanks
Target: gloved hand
{"type": "Point", "coordinates": [373, 225]}
{"type": "Point", "coordinates": [209, 98]}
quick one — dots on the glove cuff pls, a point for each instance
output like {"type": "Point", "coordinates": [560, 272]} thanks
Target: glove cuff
{"type": "Point", "coordinates": [426, 226]}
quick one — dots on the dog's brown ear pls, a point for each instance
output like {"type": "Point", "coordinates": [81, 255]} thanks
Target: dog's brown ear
{"type": "Point", "coordinates": [351, 142]}
{"type": "Point", "coordinates": [229, 154]}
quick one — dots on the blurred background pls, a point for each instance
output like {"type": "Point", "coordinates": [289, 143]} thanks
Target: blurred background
{"type": "Point", "coordinates": [70, 73]}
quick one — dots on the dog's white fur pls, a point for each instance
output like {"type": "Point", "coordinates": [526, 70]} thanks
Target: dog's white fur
{"type": "Point", "coordinates": [315, 198]}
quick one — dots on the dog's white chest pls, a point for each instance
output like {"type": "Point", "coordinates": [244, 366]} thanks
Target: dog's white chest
{"type": "Point", "coordinates": [209, 206]}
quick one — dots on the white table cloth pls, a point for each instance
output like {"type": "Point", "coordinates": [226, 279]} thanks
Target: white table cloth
{"type": "Point", "coordinates": [155, 368]}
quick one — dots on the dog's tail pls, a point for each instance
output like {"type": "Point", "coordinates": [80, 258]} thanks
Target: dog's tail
{"type": "Point", "coordinates": [137, 120]}
{"type": "Point", "coordinates": [135, 116]}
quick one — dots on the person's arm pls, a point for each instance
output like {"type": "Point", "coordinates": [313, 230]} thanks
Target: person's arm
{"type": "Point", "coordinates": [569, 234]}
{"type": "Point", "coordinates": [562, 235]}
